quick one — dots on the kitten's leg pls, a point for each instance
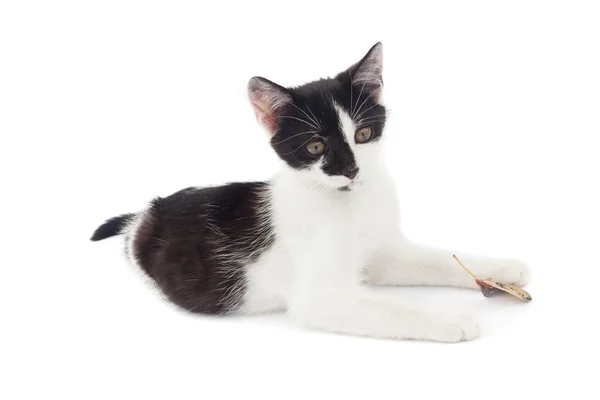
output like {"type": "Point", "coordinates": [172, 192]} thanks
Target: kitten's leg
{"type": "Point", "coordinates": [331, 298]}
{"type": "Point", "coordinates": [359, 312]}
{"type": "Point", "coordinates": [406, 263]}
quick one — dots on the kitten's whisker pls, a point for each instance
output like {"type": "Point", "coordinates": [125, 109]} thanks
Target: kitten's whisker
{"type": "Point", "coordinates": [293, 136]}
{"type": "Point", "coordinates": [363, 113]}
{"type": "Point", "coordinates": [317, 186]}
{"type": "Point", "coordinates": [299, 147]}
{"type": "Point", "coordinates": [362, 123]}
{"type": "Point", "coordinates": [301, 120]}
{"type": "Point", "coordinates": [375, 116]}
{"type": "Point", "coordinates": [311, 113]}
{"type": "Point", "coordinates": [303, 112]}
{"type": "Point", "coordinates": [366, 123]}
{"type": "Point", "coordinates": [364, 101]}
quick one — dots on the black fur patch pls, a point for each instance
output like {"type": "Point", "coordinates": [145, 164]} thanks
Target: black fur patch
{"type": "Point", "coordinates": [195, 243]}
{"type": "Point", "coordinates": [320, 97]}
{"type": "Point", "coordinates": [112, 227]}
{"type": "Point", "coordinates": [317, 100]}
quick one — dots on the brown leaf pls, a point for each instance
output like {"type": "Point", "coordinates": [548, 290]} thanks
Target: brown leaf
{"type": "Point", "coordinates": [490, 286]}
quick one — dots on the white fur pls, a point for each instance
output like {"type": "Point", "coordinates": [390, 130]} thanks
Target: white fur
{"type": "Point", "coordinates": [330, 243]}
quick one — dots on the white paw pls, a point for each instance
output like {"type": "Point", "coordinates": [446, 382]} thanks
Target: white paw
{"type": "Point", "coordinates": [452, 328]}
{"type": "Point", "coordinates": [511, 271]}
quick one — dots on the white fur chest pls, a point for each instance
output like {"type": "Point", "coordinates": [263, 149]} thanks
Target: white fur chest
{"type": "Point", "coordinates": [323, 237]}
{"type": "Point", "coordinates": [318, 225]}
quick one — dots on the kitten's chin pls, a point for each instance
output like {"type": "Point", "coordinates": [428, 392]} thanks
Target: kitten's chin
{"type": "Point", "coordinates": [314, 178]}
{"type": "Point", "coordinates": [337, 183]}
{"type": "Point", "coordinates": [350, 187]}
{"type": "Point", "coordinates": [341, 183]}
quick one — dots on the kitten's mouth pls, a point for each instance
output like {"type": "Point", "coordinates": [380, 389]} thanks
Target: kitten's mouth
{"type": "Point", "coordinates": [351, 186]}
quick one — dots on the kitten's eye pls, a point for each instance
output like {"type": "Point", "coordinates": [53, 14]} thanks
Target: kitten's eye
{"type": "Point", "coordinates": [363, 135]}
{"type": "Point", "coordinates": [316, 148]}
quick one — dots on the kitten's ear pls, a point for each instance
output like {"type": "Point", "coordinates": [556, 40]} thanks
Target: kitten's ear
{"type": "Point", "coordinates": [368, 72]}
{"type": "Point", "coordinates": [268, 100]}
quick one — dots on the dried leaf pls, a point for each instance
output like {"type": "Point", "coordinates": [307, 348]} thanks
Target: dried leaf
{"type": "Point", "coordinates": [490, 286]}
{"type": "Point", "coordinates": [486, 289]}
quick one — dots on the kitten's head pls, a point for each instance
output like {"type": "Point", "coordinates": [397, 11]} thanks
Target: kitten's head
{"type": "Point", "coordinates": [330, 130]}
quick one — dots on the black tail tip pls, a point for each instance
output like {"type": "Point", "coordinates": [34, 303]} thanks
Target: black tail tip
{"type": "Point", "coordinates": [111, 227]}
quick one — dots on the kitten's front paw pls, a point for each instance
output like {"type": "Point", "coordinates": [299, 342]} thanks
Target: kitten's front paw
{"type": "Point", "coordinates": [452, 328]}
{"type": "Point", "coordinates": [512, 271]}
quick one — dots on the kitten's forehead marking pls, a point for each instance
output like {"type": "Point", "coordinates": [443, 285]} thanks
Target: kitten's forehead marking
{"type": "Point", "coordinates": [346, 124]}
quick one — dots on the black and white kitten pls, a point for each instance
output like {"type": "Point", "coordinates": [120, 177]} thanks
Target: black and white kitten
{"type": "Point", "coordinates": [310, 239]}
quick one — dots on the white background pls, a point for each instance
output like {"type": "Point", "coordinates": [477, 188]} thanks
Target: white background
{"type": "Point", "coordinates": [492, 139]}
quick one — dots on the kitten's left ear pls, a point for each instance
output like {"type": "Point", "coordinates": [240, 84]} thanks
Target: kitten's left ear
{"type": "Point", "coordinates": [368, 72]}
{"type": "Point", "coordinates": [269, 101]}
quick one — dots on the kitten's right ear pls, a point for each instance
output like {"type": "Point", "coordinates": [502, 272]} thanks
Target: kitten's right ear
{"type": "Point", "coordinates": [269, 101]}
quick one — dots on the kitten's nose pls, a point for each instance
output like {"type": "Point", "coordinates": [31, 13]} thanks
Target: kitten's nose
{"type": "Point", "coordinates": [351, 172]}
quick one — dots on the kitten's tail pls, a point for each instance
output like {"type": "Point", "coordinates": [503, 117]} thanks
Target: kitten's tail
{"type": "Point", "coordinates": [111, 227]}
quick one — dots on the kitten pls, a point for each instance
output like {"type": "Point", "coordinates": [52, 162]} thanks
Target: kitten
{"type": "Point", "coordinates": [310, 240]}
